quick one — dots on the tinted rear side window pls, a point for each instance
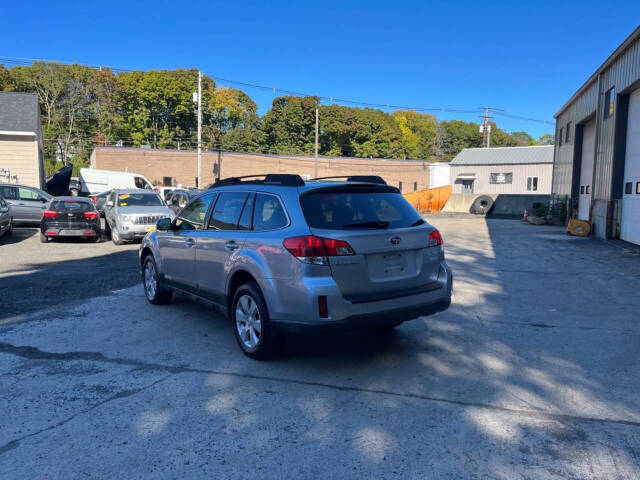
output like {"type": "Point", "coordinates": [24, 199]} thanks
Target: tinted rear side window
{"type": "Point", "coordinates": [71, 205]}
{"type": "Point", "coordinates": [10, 193]}
{"type": "Point", "coordinates": [227, 211]}
{"type": "Point", "coordinates": [269, 213]}
{"type": "Point", "coordinates": [340, 210]}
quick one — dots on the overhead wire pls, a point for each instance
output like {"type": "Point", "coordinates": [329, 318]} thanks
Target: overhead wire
{"type": "Point", "coordinates": [388, 106]}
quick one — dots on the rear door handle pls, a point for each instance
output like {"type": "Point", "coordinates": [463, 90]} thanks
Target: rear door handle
{"type": "Point", "coordinates": [231, 245]}
{"type": "Point", "coordinates": [190, 242]}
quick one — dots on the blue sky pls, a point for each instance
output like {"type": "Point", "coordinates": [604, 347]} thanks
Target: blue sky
{"type": "Point", "coordinates": [526, 58]}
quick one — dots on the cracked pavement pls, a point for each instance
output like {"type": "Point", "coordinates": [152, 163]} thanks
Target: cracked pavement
{"type": "Point", "coordinates": [533, 373]}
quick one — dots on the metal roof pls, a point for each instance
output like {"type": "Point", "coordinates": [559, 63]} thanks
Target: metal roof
{"type": "Point", "coordinates": [19, 112]}
{"type": "Point", "coordinates": [504, 155]}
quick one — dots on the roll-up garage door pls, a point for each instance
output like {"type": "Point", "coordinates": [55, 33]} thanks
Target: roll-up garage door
{"type": "Point", "coordinates": [586, 169]}
{"type": "Point", "coordinates": [630, 221]}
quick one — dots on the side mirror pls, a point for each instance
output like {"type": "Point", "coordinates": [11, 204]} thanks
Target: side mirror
{"type": "Point", "coordinates": [109, 203]}
{"type": "Point", "coordinates": [42, 199]}
{"type": "Point", "coordinates": [164, 224]}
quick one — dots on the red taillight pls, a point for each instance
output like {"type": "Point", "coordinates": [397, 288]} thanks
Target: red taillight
{"type": "Point", "coordinates": [323, 309]}
{"type": "Point", "coordinates": [315, 250]}
{"type": "Point", "coordinates": [89, 233]}
{"type": "Point", "coordinates": [50, 214]}
{"type": "Point", "coordinates": [435, 239]}
{"type": "Point", "coordinates": [337, 248]}
{"type": "Point", "coordinates": [91, 215]}
{"type": "Point", "coordinates": [94, 199]}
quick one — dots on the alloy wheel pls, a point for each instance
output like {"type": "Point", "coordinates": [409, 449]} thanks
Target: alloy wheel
{"type": "Point", "coordinates": [248, 321]}
{"type": "Point", "coordinates": [150, 280]}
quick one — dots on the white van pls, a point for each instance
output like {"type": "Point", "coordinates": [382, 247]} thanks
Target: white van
{"type": "Point", "coordinates": [93, 181]}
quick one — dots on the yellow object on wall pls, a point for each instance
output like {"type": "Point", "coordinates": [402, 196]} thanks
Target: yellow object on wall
{"type": "Point", "coordinates": [429, 200]}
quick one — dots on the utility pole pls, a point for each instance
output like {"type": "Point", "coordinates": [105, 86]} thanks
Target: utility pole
{"type": "Point", "coordinates": [485, 128]}
{"type": "Point", "coordinates": [315, 173]}
{"type": "Point", "coordinates": [200, 130]}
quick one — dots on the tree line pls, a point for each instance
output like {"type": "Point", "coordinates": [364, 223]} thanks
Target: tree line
{"type": "Point", "coordinates": [83, 107]}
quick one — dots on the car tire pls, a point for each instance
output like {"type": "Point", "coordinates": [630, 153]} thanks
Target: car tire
{"type": "Point", "coordinates": [43, 238]}
{"type": "Point", "coordinates": [115, 237]}
{"type": "Point", "coordinates": [153, 288]}
{"type": "Point", "coordinates": [481, 205]}
{"type": "Point", "coordinates": [251, 325]}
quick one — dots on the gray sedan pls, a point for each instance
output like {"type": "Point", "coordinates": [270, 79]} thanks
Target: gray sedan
{"type": "Point", "coordinates": [27, 203]}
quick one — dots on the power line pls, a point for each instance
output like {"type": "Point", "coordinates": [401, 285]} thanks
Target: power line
{"type": "Point", "coordinates": [336, 100]}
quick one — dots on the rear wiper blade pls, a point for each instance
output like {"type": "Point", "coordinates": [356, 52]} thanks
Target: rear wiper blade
{"type": "Point", "coordinates": [380, 225]}
{"type": "Point", "coordinates": [417, 222]}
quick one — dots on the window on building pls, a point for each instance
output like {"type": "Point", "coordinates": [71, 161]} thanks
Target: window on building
{"type": "Point", "coordinates": [581, 189]}
{"type": "Point", "coordinates": [628, 187]}
{"type": "Point", "coordinates": [609, 102]}
{"type": "Point", "coordinates": [500, 178]}
{"type": "Point", "coordinates": [638, 188]}
{"type": "Point", "coordinates": [532, 184]}
{"type": "Point", "coordinates": [567, 137]}
{"type": "Point", "coordinates": [560, 136]}
{"type": "Point", "coordinates": [586, 189]}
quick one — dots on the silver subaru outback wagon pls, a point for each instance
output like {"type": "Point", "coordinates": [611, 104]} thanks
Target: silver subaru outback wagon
{"type": "Point", "coordinates": [284, 255]}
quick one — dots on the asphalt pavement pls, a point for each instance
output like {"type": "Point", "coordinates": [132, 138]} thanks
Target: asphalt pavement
{"type": "Point", "coordinates": [532, 373]}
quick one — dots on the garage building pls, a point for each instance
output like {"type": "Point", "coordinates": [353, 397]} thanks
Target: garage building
{"type": "Point", "coordinates": [597, 150]}
{"type": "Point", "coordinates": [503, 170]}
{"type": "Point", "coordinates": [21, 148]}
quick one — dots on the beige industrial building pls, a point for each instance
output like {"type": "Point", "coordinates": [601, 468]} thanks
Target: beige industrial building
{"type": "Point", "coordinates": [503, 170]}
{"type": "Point", "coordinates": [21, 148]}
{"type": "Point", "coordinates": [173, 167]}
{"type": "Point", "coordinates": [597, 152]}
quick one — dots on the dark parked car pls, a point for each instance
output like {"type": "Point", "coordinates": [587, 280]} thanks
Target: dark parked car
{"type": "Point", "coordinates": [178, 199]}
{"type": "Point", "coordinates": [6, 219]}
{"type": "Point", "coordinates": [27, 203]}
{"type": "Point", "coordinates": [99, 201]}
{"type": "Point", "coordinates": [70, 217]}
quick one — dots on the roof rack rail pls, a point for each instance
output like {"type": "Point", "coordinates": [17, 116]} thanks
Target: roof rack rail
{"type": "Point", "coordinates": [284, 179]}
{"type": "Point", "coordinates": [356, 178]}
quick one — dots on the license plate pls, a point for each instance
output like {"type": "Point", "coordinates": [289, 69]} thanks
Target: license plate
{"type": "Point", "coordinates": [393, 260]}
{"type": "Point", "coordinates": [150, 228]}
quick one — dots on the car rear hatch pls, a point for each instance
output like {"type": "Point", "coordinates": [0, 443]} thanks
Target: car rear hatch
{"type": "Point", "coordinates": [68, 216]}
{"type": "Point", "coordinates": [394, 252]}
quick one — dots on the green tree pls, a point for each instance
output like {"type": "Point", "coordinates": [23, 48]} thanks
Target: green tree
{"type": "Point", "coordinates": [418, 133]}
{"type": "Point", "coordinates": [289, 126]}
{"type": "Point", "coordinates": [157, 106]}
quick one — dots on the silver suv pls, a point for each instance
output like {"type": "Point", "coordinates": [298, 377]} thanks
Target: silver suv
{"type": "Point", "coordinates": [284, 255]}
{"type": "Point", "coordinates": [131, 214]}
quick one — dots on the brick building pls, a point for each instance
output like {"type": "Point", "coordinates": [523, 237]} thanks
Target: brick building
{"type": "Point", "coordinates": [173, 167]}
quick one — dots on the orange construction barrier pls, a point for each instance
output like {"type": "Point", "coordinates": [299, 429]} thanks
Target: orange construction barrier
{"type": "Point", "coordinates": [429, 200]}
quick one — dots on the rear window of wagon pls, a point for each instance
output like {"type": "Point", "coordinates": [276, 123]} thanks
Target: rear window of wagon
{"type": "Point", "coordinates": [338, 210]}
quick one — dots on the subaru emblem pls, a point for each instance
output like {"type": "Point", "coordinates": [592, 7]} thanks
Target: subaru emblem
{"type": "Point", "coordinates": [395, 240]}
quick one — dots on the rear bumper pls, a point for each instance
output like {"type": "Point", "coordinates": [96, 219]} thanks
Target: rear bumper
{"type": "Point", "coordinates": [294, 307]}
{"type": "Point", "coordinates": [363, 321]}
{"type": "Point", "coordinates": [75, 230]}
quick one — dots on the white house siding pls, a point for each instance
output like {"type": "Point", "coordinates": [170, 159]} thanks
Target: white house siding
{"type": "Point", "coordinates": [21, 155]}
{"type": "Point", "coordinates": [518, 185]}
